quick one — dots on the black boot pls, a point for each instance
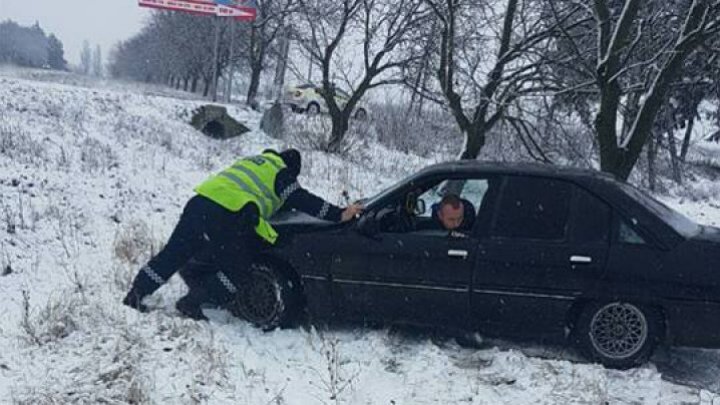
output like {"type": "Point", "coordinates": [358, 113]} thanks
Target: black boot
{"type": "Point", "coordinates": [134, 300]}
{"type": "Point", "coordinates": [144, 284]}
{"type": "Point", "coordinates": [190, 306]}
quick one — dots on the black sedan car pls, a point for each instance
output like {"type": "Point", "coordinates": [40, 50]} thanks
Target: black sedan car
{"type": "Point", "coordinates": [552, 254]}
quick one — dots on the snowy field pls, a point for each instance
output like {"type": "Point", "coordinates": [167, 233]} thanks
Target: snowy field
{"type": "Point", "coordinates": [92, 179]}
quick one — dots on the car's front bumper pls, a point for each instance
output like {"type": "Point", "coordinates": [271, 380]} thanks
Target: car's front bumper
{"type": "Point", "coordinates": [693, 323]}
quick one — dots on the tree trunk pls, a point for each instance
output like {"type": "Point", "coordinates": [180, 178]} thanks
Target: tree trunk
{"type": "Point", "coordinates": [256, 63]}
{"type": "Point", "coordinates": [686, 138]}
{"type": "Point", "coordinates": [475, 137]}
{"type": "Point", "coordinates": [605, 127]}
{"type": "Point", "coordinates": [672, 148]}
{"type": "Point", "coordinates": [206, 87]}
{"type": "Point", "coordinates": [193, 84]}
{"type": "Point", "coordinates": [340, 126]}
{"type": "Point", "coordinates": [651, 154]}
{"type": "Point", "coordinates": [255, 71]}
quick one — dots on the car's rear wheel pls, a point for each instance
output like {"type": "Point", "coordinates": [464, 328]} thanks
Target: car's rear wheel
{"type": "Point", "coordinates": [618, 334]}
{"type": "Point", "coordinates": [269, 299]}
{"type": "Point", "coordinates": [313, 109]}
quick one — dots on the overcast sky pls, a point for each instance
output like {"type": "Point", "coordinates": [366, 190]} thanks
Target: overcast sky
{"type": "Point", "coordinates": [103, 22]}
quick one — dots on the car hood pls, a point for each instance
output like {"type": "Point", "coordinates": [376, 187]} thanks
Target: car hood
{"type": "Point", "coordinates": [708, 234]}
{"type": "Point", "coordinates": [296, 221]}
{"type": "Point", "coordinates": [693, 264]}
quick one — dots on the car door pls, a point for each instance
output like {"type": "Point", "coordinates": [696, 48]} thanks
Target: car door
{"type": "Point", "coordinates": [546, 246]}
{"type": "Point", "coordinates": [417, 278]}
{"type": "Point", "coordinates": [421, 276]}
{"type": "Point", "coordinates": [635, 262]}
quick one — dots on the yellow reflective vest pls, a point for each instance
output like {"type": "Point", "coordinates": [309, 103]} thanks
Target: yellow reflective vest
{"type": "Point", "coordinates": [248, 180]}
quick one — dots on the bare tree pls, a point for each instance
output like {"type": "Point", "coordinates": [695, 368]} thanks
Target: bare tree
{"type": "Point", "coordinates": [630, 57]}
{"type": "Point", "coordinates": [97, 63]}
{"type": "Point", "coordinates": [484, 68]}
{"type": "Point", "coordinates": [86, 58]}
{"type": "Point", "coordinates": [382, 31]}
{"type": "Point", "coordinates": [263, 35]}
{"type": "Point", "coordinates": [178, 38]}
{"type": "Point", "coordinates": [172, 49]}
{"type": "Point", "coordinates": [56, 53]}
{"type": "Point", "coordinates": [26, 46]}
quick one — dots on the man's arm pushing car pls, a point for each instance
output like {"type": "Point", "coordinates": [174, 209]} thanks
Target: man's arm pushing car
{"type": "Point", "coordinates": [224, 221]}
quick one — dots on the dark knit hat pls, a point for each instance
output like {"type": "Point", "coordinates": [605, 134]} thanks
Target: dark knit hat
{"type": "Point", "coordinates": [292, 160]}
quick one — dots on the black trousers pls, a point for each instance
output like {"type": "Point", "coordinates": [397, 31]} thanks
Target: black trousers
{"type": "Point", "coordinates": [223, 241]}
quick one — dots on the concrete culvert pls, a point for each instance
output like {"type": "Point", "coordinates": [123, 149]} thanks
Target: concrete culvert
{"type": "Point", "coordinates": [214, 129]}
{"type": "Point", "coordinates": [215, 122]}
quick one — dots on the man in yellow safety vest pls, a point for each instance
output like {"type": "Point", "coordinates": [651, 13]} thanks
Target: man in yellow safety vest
{"type": "Point", "coordinates": [225, 221]}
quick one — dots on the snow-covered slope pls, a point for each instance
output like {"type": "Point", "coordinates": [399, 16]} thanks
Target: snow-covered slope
{"type": "Point", "coordinates": [92, 180]}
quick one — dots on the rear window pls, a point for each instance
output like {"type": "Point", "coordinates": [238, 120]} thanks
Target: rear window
{"type": "Point", "coordinates": [591, 222]}
{"type": "Point", "coordinates": [533, 208]}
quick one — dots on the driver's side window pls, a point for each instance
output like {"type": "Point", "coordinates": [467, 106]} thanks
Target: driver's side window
{"type": "Point", "coordinates": [470, 190]}
{"type": "Point", "coordinates": [444, 206]}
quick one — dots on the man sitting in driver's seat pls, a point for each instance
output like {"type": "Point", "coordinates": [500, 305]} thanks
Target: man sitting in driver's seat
{"type": "Point", "coordinates": [454, 214]}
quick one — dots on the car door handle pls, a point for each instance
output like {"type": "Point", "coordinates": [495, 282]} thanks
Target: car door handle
{"type": "Point", "coordinates": [458, 253]}
{"type": "Point", "coordinates": [578, 259]}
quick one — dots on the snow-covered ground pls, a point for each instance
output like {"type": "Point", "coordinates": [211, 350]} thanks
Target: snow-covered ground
{"type": "Point", "coordinates": [92, 180]}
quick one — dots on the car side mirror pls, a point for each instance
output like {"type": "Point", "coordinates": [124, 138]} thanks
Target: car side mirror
{"type": "Point", "coordinates": [414, 205]}
{"type": "Point", "coordinates": [368, 225]}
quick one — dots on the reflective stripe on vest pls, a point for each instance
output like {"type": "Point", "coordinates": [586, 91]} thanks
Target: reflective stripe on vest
{"type": "Point", "coordinates": [262, 205]}
{"type": "Point", "coordinates": [269, 195]}
{"type": "Point", "coordinates": [250, 180]}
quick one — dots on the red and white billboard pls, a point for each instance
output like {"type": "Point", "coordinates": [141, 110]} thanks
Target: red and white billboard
{"type": "Point", "coordinates": [206, 7]}
{"type": "Point", "coordinates": [239, 10]}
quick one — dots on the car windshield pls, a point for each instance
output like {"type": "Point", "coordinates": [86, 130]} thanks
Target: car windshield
{"type": "Point", "coordinates": [369, 202]}
{"type": "Point", "coordinates": [679, 222]}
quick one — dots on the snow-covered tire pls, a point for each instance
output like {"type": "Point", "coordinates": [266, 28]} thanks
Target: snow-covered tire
{"type": "Point", "coordinates": [618, 334]}
{"type": "Point", "coordinates": [313, 109]}
{"type": "Point", "coordinates": [470, 340]}
{"type": "Point", "coordinates": [268, 299]}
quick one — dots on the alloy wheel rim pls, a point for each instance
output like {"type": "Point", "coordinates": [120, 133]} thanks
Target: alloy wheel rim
{"type": "Point", "coordinates": [618, 330]}
{"type": "Point", "coordinates": [260, 301]}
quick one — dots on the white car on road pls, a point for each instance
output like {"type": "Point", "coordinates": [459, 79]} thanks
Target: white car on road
{"type": "Point", "coordinates": [307, 98]}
